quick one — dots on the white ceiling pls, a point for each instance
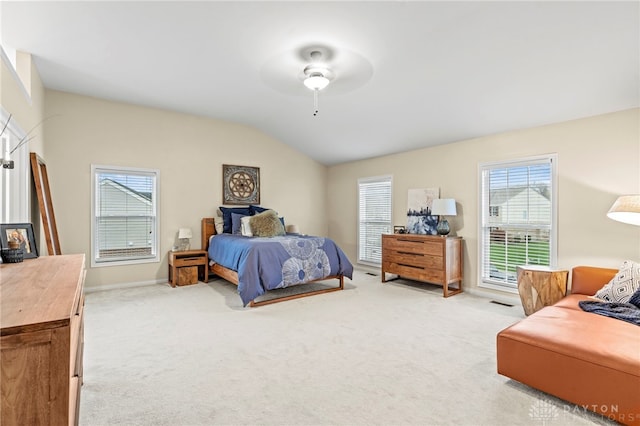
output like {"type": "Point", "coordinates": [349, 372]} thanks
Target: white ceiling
{"type": "Point", "coordinates": [407, 74]}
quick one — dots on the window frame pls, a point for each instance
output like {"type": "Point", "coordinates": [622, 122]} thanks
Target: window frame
{"type": "Point", "coordinates": [155, 246]}
{"type": "Point", "coordinates": [374, 179]}
{"type": "Point", "coordinates": [14, 183]}
{"type": "Point", "coordinates": [484, 213]}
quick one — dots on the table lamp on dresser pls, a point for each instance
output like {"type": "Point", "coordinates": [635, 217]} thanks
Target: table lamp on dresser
{"type": "Point", "coordinates": [443, 207]}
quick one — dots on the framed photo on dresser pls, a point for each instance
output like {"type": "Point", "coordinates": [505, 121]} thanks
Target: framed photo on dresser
{"type": "Point", "coordinates": [23, 234]}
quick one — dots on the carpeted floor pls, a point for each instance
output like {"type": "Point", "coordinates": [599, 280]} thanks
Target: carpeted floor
{"type": "Point", "coordinates": [373, 354]}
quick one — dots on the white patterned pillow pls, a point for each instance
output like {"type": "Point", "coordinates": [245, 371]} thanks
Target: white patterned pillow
{"type": "Point", "coordinates": [623, 285]}
{"type": "Point", "coordinates": [245, 227]}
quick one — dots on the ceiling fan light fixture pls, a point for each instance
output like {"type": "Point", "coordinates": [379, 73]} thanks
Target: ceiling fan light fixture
{"type": "Point", "coordinates": [317, 78]}
{"type": "Point", "coordinates": [316, 81]}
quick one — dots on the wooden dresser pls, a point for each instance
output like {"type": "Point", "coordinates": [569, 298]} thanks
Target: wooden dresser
{"type": "Point", "coordinates": [41, 341]}
{"type": "Point", "coordinates": [428, 258]}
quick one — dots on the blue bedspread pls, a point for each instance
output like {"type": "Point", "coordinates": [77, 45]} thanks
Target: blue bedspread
{"type": "Point", "coordinates": [276, 262]}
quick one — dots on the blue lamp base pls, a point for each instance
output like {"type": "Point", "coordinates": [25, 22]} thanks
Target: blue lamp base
{"type": "Point", "coordinates": [443, 227]}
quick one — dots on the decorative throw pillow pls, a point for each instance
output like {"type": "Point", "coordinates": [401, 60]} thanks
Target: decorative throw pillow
{"type": "Point", "coordinates": [226, 216]}
{"type": "Point", "coordinates": [266, 224]}
{"type": "Point", "coordinates": [218, 222]}
{"type": "Point", "coordinates": [245, 226]}
{"type": "Point", "coordinates": [623, 285]}
{"type": "Point", "coordinates": [236, 223]}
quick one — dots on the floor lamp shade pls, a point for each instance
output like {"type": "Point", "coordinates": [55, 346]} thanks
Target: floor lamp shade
{"type": "Point", "coordinates": [626, 209]}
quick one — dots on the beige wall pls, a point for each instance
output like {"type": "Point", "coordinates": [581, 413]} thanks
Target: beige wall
{"type": "Point", "coordinates": [25, 103]}
{"type": "Point", "coordinates": [598, 159]}
{"type": "Point", "coordinates": [27, 111]}
{"type": "Point", "coordinates": [189, 152]}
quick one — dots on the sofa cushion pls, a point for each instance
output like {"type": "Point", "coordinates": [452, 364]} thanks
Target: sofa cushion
{"type": "Point", "coordinates": [570, 301]}
{"type": "Point", "coordinates": [592, 338]}
{"type": "Point", "coordinates": [623, 285]}
{"type": "Point", "coordinates": [590, 279]}
{"type": "Point", "coordinates": [589, 360]}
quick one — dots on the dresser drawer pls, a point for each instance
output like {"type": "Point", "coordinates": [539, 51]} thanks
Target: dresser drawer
{"type": "Point", "coordinates": [414, 272]}
{"type": "Point", "coordinates": [74, 400]}
{"type": "Point", "coordinates": [410, 245]}
{"type": "Point", "coordinates": [416, 259]}
{"type": "Point", "coordinates": [77, 331]}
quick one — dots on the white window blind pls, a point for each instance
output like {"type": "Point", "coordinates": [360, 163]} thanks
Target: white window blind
{"type": "Point", "coordinates": [374, 212]}
{"type": "Point", "coordinates": [125, 215]}
{"type": "Point", "coordinates": [518, 218]}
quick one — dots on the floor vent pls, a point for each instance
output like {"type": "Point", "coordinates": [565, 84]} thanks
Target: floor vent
{"type": "Point", "coordinates": [502, 303]}
{"type": "Point", "coordinates": [372, 274]}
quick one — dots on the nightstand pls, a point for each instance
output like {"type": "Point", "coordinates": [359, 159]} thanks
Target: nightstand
{"type": "Point", "coordinates": [187, 267]}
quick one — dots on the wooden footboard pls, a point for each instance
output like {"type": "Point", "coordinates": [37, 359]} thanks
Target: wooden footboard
{"type": "Point", "coordinates": [208, 229]}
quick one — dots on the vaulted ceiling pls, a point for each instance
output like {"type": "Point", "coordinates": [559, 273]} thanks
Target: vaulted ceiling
{"type": "Point", "coordinates": [406, 75]}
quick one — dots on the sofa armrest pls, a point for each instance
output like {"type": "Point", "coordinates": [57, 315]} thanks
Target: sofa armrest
{"type": "Point", "coordinates": [589, 279]}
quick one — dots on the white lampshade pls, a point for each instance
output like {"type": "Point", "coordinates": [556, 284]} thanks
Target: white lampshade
{"type": "Point", "coordinates": [444, 207]}
{"type": "Point", "coordinates": [626, 209]}
{"type": "Point", "coordinates": [185, 233]}
{"type": "Point", "coordinates": [293, 229]}
{"type": "Point", "coordinates": [316, 81]}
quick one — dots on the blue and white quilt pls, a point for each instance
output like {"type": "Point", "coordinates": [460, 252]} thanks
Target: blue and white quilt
{"type": "Point", "coordinates": [277, 262]}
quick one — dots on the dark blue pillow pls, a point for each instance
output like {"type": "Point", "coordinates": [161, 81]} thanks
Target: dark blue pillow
{"type": "Point", "coordinates": [226, 216]}
{"type": "Point", "coordinates": [257, 209]}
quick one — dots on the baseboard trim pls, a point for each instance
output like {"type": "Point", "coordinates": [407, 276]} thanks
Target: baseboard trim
{"type": "Point", "coordinates": [502, 298]}
{"type": "Point", "coordinates": [117, 286]}
{"type": "Point", "coordinates": [367, 268]}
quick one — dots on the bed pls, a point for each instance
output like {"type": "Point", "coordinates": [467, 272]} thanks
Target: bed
{"type": "Point", "coordinates": [258, 265]}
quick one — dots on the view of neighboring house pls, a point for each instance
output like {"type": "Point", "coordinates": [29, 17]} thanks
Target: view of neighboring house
{"type": "Point", "coordinates": [124, 219]}
{"type": "Point", "coordinates": [518, 204]}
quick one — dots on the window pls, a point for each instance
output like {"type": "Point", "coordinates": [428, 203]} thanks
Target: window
{"type": "Point", "coordinates": [125, 215]}
{"type": "Point", "coordinates": [374, 213]}
{"type": "Point", "coordinates": [14, 182]}
{"type": "Point", "coordinates": [518, 218]}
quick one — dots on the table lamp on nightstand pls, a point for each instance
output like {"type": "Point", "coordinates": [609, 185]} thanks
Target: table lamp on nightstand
{"type": "Point", "coordinates": [443, 207]}
{"type": "Point", "coordinates": [293, 229]}
{"type": "Point", "coordinates": [184, 237]}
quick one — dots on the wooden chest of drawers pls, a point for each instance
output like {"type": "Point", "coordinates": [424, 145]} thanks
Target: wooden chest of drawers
{"type": "Point", "coordinates": [41, 341]}
{"type": "Point", "coordinates": [428, 258]}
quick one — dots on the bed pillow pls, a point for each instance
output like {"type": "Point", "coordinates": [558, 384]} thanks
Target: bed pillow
{"type": "Point", "coordinates": [236, 223]}
{"type": "Point", "coordinates": [245, 226]}
{"type": "Point", "coordinates": [218, 222]}
{"type": "Point", "coordinates": [226, 216]}
{"type": "Point", "coordinates": [623, 285]}
{"type": "Point", "coordinates": [266, 224]}
{"type": "Point", "coordinates": [258, 209]}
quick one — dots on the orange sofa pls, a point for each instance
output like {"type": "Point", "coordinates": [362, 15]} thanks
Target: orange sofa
{"type": "Point", "coordinates": [584, 358]}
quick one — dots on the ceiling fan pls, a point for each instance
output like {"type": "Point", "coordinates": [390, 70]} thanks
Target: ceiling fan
{"type": "Point", "coordinates": [317, 67]}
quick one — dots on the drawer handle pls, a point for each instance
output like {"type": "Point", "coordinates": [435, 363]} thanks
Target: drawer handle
{"type": "Point", "coordinates": [410, 253]}
{"type": "Point", "coordinates": [410, 266]}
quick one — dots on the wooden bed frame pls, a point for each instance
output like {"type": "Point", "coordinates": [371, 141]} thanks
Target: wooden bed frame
{"type": "Point", "coordinates": [209, 229]}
